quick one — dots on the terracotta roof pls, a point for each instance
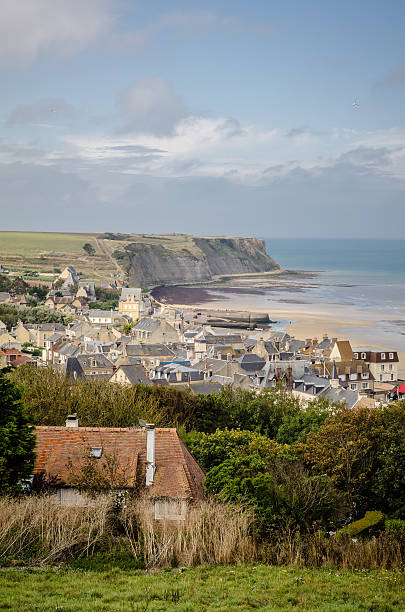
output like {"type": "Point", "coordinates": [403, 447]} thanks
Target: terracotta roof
{"type": "Point", "coordinates": [177, 475]}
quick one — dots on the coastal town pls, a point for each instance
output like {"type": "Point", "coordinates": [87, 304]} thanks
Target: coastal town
{"type": "Point", "coordinates": [138, 340]}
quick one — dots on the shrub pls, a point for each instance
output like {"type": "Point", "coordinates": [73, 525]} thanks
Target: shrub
{"type": "Point", "coordinates": [370, 520]}
{"type": "Point", "coordinates": [395, 525]}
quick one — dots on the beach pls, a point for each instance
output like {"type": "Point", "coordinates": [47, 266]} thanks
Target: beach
{"type": "Point", "coordinates": [296, 314]}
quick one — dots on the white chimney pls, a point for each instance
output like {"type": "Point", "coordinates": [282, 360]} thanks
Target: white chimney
{"type": "Point", "coordinates": [150, 453]}
{"type": "Point", "coordinates": [72, 420]}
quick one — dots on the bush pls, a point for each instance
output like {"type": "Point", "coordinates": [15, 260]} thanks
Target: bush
{"type": "Point", "coordinates": [370, 520]}
{"type": "Point", "coordinates": [395, 525]}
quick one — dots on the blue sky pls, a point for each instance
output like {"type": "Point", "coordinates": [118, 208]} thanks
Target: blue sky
{"type": "Point", "coordinates": [227, 117]}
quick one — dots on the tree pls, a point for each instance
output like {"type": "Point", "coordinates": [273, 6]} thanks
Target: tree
{"type": "Point", "coordinates": [283, 493]}
{"type": "Point", "coordinates": [17, 440]}
{"type": "Point", "coordinates": [363, 452]}
{"type": "Point", "coordinates": [89, 248]}
{"type": "Point", "coordinates": [211, 450]}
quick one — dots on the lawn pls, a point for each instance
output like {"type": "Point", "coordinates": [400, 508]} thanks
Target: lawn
{"type": "Point", "coordinates": [205, 588]}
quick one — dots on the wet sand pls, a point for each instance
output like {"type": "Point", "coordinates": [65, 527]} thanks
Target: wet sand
{"type": "Point", "coordinates": [298, 319]}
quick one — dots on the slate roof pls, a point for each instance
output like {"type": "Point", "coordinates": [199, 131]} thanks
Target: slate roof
{"type": "Point", "coordinates": [129, 291]}
{"type": "Point", "coordinates": [135, 374]}
{"type": "Point", "coordinates": [148, 350]}
{"type": "Point", "coordinates": [251, 362]}
{"type": "Point", "coordinates": [147, 324]}
{"type": "Point", "coordinates": [177, 476]}
{"type": "Point", "coordinates": [97, 312]}
{"type": "Point", "coordinates": [202, 388]}
{"type": "Point", "coordinates": [100, 359]}
{"type": "Point", "coordinates": [226, 339]}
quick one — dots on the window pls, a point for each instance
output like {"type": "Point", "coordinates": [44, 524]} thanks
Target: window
{"type": "Point", "coordinates": [353, 386]}
{"type": "Point", "coordinates": [356, 355]}
{"type": "Point", "coordinates": [392, 377]}
{"type": "Point", "coordinates": [390, 366]}
{"type": "Point", "coordinates": [363, 355]}
{"type": "Point", "coordinates": [382, 367]}
{"type": "Point", "coordinates": [391, 355]}
{"type": "Point", "coordinates": [364, 375]}
{"type": "Point", "coordinates": [382, 355]}
{"type": "Point", "coordinates": [364, 385]}
{"type": "Point", "coordinates": [96, 451]}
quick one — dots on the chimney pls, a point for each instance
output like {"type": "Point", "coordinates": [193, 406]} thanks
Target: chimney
{"type": "Point", "coordinates": [72, 420]}
{"type": "Point", "coordinates": [150, 453]}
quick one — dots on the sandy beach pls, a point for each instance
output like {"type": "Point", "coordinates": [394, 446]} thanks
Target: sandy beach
{"type": "Point", "coordinates": [299, 320]}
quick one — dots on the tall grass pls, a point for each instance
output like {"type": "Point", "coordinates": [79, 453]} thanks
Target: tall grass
{"type": "Point", "coordinates": [212, 533]}
{"type": "Point", "coordinates": [383, 551]}
{"type": "Point", "coordinates": [33, 530]}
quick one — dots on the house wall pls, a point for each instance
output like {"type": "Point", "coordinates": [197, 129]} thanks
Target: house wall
{"type": "Point", "coordinates": [170, 509]}
{"type": "Point", "coordinates": [384, 372]}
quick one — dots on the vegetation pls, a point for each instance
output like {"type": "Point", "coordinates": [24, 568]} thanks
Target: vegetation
{"type": "Point", "coordinates": [364, 525]}
{"type": "Point", "coordinates": [17, 440]}
{"type": "Point", "coordinates": [17, 285]}
{"type": "Point", "coordinates": [203, 589]}
{"type": "Point", "coordinates": [106, 299]}
{"type": "Point", "coordinates": [89, 249]}
{"type": "Point", "coordinates": [292, 479]}
{"type": "Point", "coordinates": [10, 314]}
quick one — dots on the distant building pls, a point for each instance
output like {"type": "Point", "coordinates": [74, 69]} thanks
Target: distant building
{"type": "Point", "coordinates": [130, 302]}
{"type": "Point", "coordinates": [382, 364]}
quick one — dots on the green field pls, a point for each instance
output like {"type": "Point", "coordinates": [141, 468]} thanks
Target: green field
{"type": "Point", "coordinates": [203, 589]}
{"type": "Point", "coordinates": [22, 243]}
{"type": "Point", "coordinates": [44, 252]}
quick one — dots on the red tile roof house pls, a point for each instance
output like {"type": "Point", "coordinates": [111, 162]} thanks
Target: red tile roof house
{"type": "Point", "coordinates": [155, 456]}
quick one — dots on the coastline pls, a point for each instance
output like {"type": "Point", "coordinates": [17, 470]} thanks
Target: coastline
{"type": "Point", "coordinates": [301, 320]}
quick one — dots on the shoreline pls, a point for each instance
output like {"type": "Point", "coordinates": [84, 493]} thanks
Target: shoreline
{"type": "Point", "coordinates": [300, 320]}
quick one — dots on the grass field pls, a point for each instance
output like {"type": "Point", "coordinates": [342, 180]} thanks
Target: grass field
{"type": "Point", "coordinates": [21, 243]}
{"type": "Point", "coordinates": [42, 252]}
{"type": "Point", "coordinates": [202, 589]}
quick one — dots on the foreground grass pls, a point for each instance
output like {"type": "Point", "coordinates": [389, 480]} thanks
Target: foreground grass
{"type": "Point", "coordinates": [205, 588]}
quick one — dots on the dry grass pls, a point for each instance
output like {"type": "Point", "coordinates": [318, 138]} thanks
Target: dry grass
{"type": "Point", "coordinates": [317, 550]}
{"type": "Point", "coordinates": [33, 530]}
{"type": "Point", "coordinates": [213, 533]}
{"type": "Point", "coordinates": [37, 530]}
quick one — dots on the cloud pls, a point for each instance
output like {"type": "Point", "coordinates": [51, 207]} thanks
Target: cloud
{"type": "Point", "coordinates": [46, 109]}
{"type": "Point", "coordinates": [151, 106]}
{"type": "Point", "coordinates": [51, 28]}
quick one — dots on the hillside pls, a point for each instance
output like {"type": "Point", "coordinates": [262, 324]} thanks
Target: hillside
{"type": "Point", "coordinates": [142, 260]}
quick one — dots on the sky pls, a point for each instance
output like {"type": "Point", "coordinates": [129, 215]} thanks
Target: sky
{"type": "Point", "coordinates": [222, 117]}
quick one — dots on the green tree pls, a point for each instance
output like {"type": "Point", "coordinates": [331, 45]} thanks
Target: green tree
{"type": "Point", "coordinates": [363, 452]}
{"type": "Point", "coordinates": [210, 450]}
{"type": "Point", "coordinates": [89, 248]}
{"type": "Point", "coordinates": [283, 493]}
{"type": "Point", "coordinates": [17, 440]}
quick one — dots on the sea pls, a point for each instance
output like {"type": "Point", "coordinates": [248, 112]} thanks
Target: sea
{"type": "Point", "coordinates": [362, 279]}
{"type": "Point", "coordinates": [367, 274]}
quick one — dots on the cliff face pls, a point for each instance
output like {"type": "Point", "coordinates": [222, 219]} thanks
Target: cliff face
{"type": "Point", "coordinates": [151, 263]}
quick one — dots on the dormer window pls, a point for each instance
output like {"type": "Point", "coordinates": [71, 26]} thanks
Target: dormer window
{"type": "Point", "coordinates": [356, 355]}
{"type": "Point", "coordinates": [96, 452]}
{"type": "Point", "coordinates": [391, 355]}
{"type": "Point", "coordinates": [363, 355]}
{"type": "Point", "coordinates": [382, 355]}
